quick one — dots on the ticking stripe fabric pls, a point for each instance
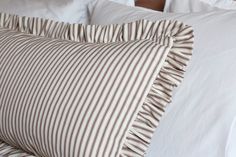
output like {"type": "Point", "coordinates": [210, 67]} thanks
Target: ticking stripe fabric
{"type": "Point", "coordinates": [10, 151]}
{"type": "Point", "coordinates": [60, 98]}
{"type": "Point", "coordinates": [170, 76]}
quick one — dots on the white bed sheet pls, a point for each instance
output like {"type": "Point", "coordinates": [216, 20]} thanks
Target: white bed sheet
{"type": "Point", "coordinates": [200, 121]}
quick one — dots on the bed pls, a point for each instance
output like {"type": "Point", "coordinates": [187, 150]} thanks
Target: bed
{"type": "Point", "coordinates": [186, 104]}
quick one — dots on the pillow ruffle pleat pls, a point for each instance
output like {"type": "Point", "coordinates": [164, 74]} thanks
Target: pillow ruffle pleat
{"type": "Point", "coordinates": [170, 76]}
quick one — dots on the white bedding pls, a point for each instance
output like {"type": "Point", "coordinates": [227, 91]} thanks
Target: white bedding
{"type": "Point", "coordinates": [222, 4]}
{"type": "Point", "coordinates": [200, 120]}
{"type": "Point", "coordinates": [185, 6]}
{"type": "Point", "coordinates": [230, 148]}
{"type": "Point", "coordinates": [72, 11]}
{"type": "Point", "coordinates": [62, 10]}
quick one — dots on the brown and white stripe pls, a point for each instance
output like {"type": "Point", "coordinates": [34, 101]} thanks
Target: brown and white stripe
{"type": "Point", "coordinates": [170, 76]}
{"type": "Point", "coordinates": [62, 98]}
{"type": "Point", "coordinates": [10, 151]}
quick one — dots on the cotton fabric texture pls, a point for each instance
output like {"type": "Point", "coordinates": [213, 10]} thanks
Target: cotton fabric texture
{"type": "Point", "coordinates": [175, 35]}
{"type": "Point", "coordinates": [61, 98]}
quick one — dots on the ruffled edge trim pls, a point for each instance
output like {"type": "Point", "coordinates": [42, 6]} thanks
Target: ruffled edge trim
{"type": "Point", "coordinates": [170, 76]}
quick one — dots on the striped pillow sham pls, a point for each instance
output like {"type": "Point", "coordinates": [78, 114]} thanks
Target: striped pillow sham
{"type": "Point", "coordinates": [63, 98]}
{"type": "Point", "coordinates": [171, 73]}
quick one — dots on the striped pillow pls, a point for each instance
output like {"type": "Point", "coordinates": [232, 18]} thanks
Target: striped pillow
{"type": "Point", "coordinates": [170, 75]}
{"type": "Point", "coordinates": [61, 98]}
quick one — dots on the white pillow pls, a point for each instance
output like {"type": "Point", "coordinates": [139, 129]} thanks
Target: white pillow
{"type": "Point", "coordinates": [199, 122]}
{"type": "Point", "coordinates": [185, 6]}
{"type": "Point", "coordinates": [231, 151]}
{"type": "Point", "coordinates": [67, 11]}
{"type": "Point", "coordinates": [126, 2]}
{"type": "Point", "coordinates": [222, 4]}
{"type": "Point", "coordinates": [73, 11]}
{"type": "Point", "coordinates": [91, 5]}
